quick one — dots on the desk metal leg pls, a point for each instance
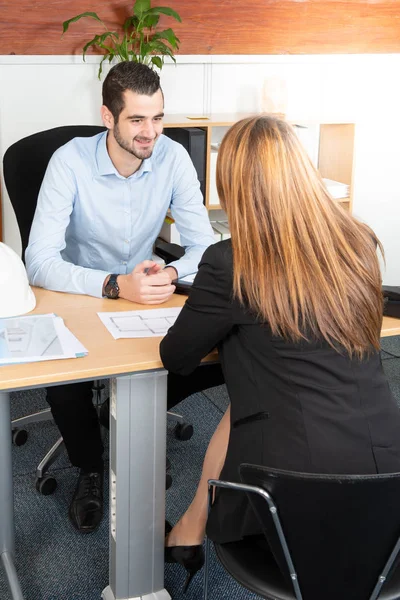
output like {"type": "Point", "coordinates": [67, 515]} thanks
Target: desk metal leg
{"type": "Point", "coordinates": [7, 536]}
{"type": "Point", "coordinates": [137, 487]}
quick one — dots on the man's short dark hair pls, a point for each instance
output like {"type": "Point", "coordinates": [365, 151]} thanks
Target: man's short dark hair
{"type": "Point", "coordinates": [136, 77]}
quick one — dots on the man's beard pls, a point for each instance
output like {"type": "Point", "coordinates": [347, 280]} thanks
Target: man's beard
{"type": "Point", "coordinates": [140, 154]}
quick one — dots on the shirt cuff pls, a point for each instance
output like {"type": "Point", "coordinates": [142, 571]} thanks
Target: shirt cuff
{"type": "Point", "coordinates": [177, 266]}
{"type": "Point", "coordinates": [94, 283]}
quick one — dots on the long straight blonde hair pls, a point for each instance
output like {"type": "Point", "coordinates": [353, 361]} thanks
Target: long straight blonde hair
{"type": "Point", "coordinates": [301, 263]}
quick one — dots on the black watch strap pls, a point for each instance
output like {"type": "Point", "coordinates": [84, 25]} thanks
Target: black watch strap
{"type": "Point", "coordinates": [112, 288]}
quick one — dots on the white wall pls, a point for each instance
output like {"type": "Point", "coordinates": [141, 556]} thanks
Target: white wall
{"type": "Point", "coordinates": [39, 92]}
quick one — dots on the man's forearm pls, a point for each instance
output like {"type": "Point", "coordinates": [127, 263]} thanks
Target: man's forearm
{"type": "Point", "coordinates": [61, 276]}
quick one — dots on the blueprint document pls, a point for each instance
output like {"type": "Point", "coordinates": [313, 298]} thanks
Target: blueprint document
{"type": "Point", "coordinates": [36, 338]}
{"type": "Point", "coordinates": [139, 323]}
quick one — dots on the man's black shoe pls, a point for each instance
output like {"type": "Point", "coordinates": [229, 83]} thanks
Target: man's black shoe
{"type": "Point", "coordinates": [86, 508]}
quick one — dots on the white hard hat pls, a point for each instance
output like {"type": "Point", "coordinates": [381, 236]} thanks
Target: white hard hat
{"type": "Point", "coordinates": [16, 296]}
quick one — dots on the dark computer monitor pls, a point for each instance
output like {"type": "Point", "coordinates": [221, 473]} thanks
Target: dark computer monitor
{"type": "Point", "coordinates": [194, 140]}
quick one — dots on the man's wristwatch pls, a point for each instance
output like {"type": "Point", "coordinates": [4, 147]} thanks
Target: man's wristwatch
{"type": "Point", "coordinates": [112, 288]}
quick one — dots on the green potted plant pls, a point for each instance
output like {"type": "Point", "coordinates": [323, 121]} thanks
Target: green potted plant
{"type": "Point", "coordinates": [141, 42]}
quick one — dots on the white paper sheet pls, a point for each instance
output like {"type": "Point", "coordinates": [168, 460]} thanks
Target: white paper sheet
{"type": "Point", "coordinates": [154, 322]}
{"type": "Point", "coordinates": [35, 338]}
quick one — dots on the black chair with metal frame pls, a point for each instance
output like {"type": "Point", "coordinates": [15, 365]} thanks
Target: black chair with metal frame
{"type": "Point", "coordinates": [25, 163]}
{"type": "Point", "coordinates": [326, 537]}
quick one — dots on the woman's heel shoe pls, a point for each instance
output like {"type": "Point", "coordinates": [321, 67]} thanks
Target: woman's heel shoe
{"type": "Point", "coordinates": [190, 557]}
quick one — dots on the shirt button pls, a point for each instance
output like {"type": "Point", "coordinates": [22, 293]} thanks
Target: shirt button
{"type": "Point", "coordinates": [126, 241]}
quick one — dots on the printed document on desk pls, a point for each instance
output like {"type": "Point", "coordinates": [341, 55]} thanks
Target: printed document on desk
{"type": "Point", "coordinates": [139, 323]}
{"type": "Point", "coordinates": [36, 338]}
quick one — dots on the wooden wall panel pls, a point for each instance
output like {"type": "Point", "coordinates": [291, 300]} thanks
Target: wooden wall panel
{"type": "Point", "coordinates": [215, 26]}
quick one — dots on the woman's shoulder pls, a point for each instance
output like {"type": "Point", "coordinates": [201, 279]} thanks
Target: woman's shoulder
{"type": "Point", "coordinates": [216, 268]}
{"type": "Point", "coordinates": [219, 253]}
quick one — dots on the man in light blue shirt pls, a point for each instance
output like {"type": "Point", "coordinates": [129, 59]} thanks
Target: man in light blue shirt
{"type": "Point", "coordinates": [101, 205]}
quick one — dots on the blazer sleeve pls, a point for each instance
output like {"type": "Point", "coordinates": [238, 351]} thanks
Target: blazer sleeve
{"type": "Point", "coordinates": [207, 316]}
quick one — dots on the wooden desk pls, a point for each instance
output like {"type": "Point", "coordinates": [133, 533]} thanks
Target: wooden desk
{"type": "Point", "coordinates": [137, 439]}
{"type": "Point", "coordinates": [390, 326]}
{"type": "Point", "coordinates": [107, 357]}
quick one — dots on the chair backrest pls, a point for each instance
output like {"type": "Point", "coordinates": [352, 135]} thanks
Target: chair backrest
{"type": "Point", "coordinates": [340, 529]}
{"type": "Point", "coordinates": [25, 164]}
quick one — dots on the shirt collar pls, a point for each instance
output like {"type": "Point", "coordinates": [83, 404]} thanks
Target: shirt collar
{"type": "Point", "coordinates": [105, 165]}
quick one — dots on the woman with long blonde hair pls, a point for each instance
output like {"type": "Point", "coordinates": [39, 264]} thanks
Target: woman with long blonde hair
{"type": "Point", "coordinates": [293, 303]}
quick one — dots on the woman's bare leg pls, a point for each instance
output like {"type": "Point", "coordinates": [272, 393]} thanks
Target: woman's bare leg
{"type": "Point", "coordinates": [190, 529]}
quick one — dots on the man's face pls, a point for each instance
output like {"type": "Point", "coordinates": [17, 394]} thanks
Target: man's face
{"type": "Point", "coordinates": [140, 123]}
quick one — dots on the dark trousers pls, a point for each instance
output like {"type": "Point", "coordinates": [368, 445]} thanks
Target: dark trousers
{"type": "Point", "coordinates": [76, 417]}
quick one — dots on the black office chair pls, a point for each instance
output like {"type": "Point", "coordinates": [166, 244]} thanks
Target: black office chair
{"type": "Point", "coordinates": [25, 163]}
{"type": "Point", "coordinates": [327, 537]}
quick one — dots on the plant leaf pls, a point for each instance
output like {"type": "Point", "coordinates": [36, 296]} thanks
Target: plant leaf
{"type": "Point", "coordinates": [109, 56]}
{"type": "Point", "coordinates": [165, 11]}
{"type": "Point", "coordinates": [92, 42]}
{"type": "Point", "coordinates": [150, 21]}
{"type": "Point", "coordinates": [92, 15]}
{"type": "Point", "coordinates": [99, 40]}
{"type": "Point", "coordinates": [156, 60]}
{"type": "Point", "coordinates": [140, 41]}
{"type": "Point", "coordinates": [162, 49]}
{"type": "Point", "coordinates": [123, 48]}
{"type": "Point", "coordinates": [168, 35]}
{"type": "Point", "coordinates": [140, 7]}
{"type": "Point", "coordinates": [131, 22]}
{"type": "Point", "coordinates": [146, 48]}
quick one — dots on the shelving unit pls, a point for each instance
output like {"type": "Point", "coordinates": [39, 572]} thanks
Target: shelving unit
{"type": "Point", "coordinates": [335, 155]}
{"type": "Point", "coordinates": [209, 123]}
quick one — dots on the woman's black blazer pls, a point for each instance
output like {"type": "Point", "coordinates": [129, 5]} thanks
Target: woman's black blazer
{"type": "Point", "coordinates": [296, 406]}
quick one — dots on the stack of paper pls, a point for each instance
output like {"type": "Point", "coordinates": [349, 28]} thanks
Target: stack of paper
{"type": "Point", "coordinates": [336, 189]}
{"type": "Point", "coordinates": [35, 338]}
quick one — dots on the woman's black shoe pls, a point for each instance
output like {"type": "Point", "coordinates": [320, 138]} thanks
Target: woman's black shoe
{"type": "Point", "coordinates": [190, 557]}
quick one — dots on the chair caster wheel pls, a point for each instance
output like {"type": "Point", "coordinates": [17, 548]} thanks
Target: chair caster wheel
{"type": "Point", "coordinates": [183, 431]}
{"type": "Point", "coordinates": [168, 481]}
{"type": "Point", "coordinates": [19, 437]}
{"type": "Point", "coordinates": [46, 485]}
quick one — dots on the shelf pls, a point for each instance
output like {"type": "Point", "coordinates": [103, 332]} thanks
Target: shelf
{"type": "Point", "coordinates": [227, 119]}
{"type": "Point", "coordinates": [208, 120]}
{"type": "Point", "coordinates": [335, 155]}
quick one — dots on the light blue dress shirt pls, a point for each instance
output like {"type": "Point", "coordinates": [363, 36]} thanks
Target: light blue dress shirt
{"type": "Point", "coordinates": [91, 221]}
